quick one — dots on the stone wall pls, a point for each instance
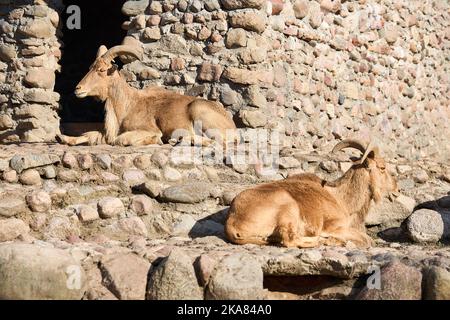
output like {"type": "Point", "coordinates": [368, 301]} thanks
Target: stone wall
{"type": "Point", "coordinates": [29, 54]}
{"type": "Point", "coordinates": [315, 70]}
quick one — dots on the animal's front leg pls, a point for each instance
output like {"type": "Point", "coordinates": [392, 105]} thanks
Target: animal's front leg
{"type": "Point", "coordinates": [138, 138]}
{"type": "Point", "coordinates": [91, 138]}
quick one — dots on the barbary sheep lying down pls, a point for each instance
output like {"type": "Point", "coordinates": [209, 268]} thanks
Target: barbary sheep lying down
{"type": "Point", "coordinates": [149, 116]}
{"type": "Point", "coordinates": [306, 211]}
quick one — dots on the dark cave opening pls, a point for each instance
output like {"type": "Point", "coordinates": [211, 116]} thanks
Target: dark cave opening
{"type": "Point", "coordinates": [100, 24]}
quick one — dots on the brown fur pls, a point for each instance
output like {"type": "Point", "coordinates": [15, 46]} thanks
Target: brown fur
{"type": "Point", "coordinates": [306, 211]}
{"type": "Point", "coordinates": [140, 117]}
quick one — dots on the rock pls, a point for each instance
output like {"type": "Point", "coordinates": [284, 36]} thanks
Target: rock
{"type": "Point", "coordinates": [205, 266]}
{"type": "Point", "coordinates": [87, 213]}
{"type": "Point", "coordinates": [85, 161]}
{"type": "Point", "coordinates": [37, 28]}
{"type": "Point", "coordinates": [187, 193]}
{"type": "Point", "coordinates": [23, 162]}
{"type": "Point", "coordinates": [110, 207]}
{"type": "Point", "coordinates": [10, 229]}
{"type": "Point", "coordinates": [152, 33]}
{"type": "Point", "coordinates": [7, 52]}
{"type": "Point", "coordinates": [40, 78]}
{"type": "Point", "coordinates": [390, 212]}
{"type": "Point", "coordinates": [10, 176]}
{"type": "Point", "coordinates": [210, 72]}
{"type": "Point", "coordinates": [133, 226]}
{"type": "Point", "coordinates": [151, 188]}
{"type": "Point", "coordinates": [4, 164]}
{"type": "Point", "coordinates": [421, 176]}
{"type": "Point", "coordinates": [49, 172]}
{"type": "Point", "coordinates": [183, 226]}
{"type": "Point", "coordinates": [104, 161]}
{"type": "Point", "coordinates": [236, 277]}
{"type": "Point", "coordinates": [428, 226]}
{"type": "Point", "coordinates": [39, 201]}
{"type": "Point", "coordinates": [30, 272]}
{"type": "Point", "coordinates": [301, 8]}
{"type": "Point", "coordinates": [30, 177]}
{"type": "Point", "coordinates": [125, 275]}
{"type": "Point", "coordinates": [288, 163]}
{"type": "Point", "coordinates": [249, 20]}
{"type": "Point", "coordinates": [174, 279]}
{"type": "Point", "coordinates": [142, 161]}
{"type": "Point", "coordinates": [6, 122]}
{"type": "Point", "coordinates": [160, 158]}
{"type": "Point", "coordinates": [398, 282]}
{"type": "Point", "coordinates": [242, 4]}
{"type": "Point", "coordinates": [68, 175]}
{"type": "Point", "coordinates": [134, 8]}
{"type": "Point", "coordinates": [315, 15]}
{"type": "Point", "coordinates": [133, 177]}
{"type": "Point", "coordinates": [436, 284]}
{"type": "Point", "coordinates": [253, 119]}
{"type": "Point", "coordinates": [171, 174]}
{"type": "Point", "coordinates": [141, 205]}
{"type": "Point", "coordinates": [12, 204]}
{"type": "Point", "coordinates": [331, 5]}
{"type": "Point", "coordinates": [62, 227]}
{"type": "Point", "coordinates": [69, 160]}
{"type": "Point", "coordinates": [236, 38]}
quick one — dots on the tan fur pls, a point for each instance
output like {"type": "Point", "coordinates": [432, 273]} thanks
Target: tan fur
{"type": "Point", "coordinates": [306, 211]}
{"type": "Point", "coordinates": [149, 116]}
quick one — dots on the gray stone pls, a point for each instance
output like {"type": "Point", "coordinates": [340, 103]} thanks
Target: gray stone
{"type": "Point", "coordinates": [390, 212]}
{"type": "Point", "coordinates": [134, 8]}
{"type": "Point", "coordinates": [428, 226]}
{"type": "Point", "coordinates": [187, 193]}
{"type": "Point", "coordinates": [87, 213]}
{"type": "Point", "coordinates": [30, 272]}
{"type": "Point", "coordinates": [174, 279]}
{"type": "Point", "coordinates": [10, 229]}
{"type": "Point", "coordinates": [23, 162]}
{"type": "Point", "coordinates": [110, 207]}
{"type": "Point", "coordinates": [398, 282]}
{"type": "Point", "coordinates": [30, 177]}
{"type": "Point", "coordinates": [12, 204]}
{"type": "Point", "coordinates": [141, 205]}
{"type": "Point", "coordinates": [39, 201]}
{"type": "Point", "coordinates": [125, 275]}
{"type": "Point", "coordinates": [236, 277]}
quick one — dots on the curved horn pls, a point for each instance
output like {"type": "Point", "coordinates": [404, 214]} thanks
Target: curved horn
{"type": "Point", "coordinates": [350, 143]}
{"type": "Point", "coordinates": [122, 50]}
{"type": "Point", "coordinates": [371, 148]}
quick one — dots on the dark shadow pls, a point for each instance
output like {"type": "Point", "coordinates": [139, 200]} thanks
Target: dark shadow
{"type": "Point", "coordinates": [212, 225]}
{"type": "Point", "coordinates": [100, 24]}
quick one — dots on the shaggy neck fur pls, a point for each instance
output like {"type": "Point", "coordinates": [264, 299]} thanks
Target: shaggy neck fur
{"type": "Point", "coordinates": [354, 182]}
{"type": "Point", "coordinates": [117, 106]}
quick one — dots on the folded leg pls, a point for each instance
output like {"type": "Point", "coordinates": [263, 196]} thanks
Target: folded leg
{"type": "Point", "coordinates": [138, 138]}
{"type": "Point", "coordinates": [90, 138]}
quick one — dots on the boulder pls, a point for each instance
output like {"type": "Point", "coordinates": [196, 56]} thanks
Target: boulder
{"type": "Point", "coordinates": [428, 226]}
{"type": "Point", "coordinates": [237, 277]}
{"type": "Point", "coordinates": [31, 272]}
{"type": "Point", "coordinates": [398, 282]}
{"type": "Point", "coordinates": [125, 275]}
{"type": "Point", "coordinates": [174, 279]}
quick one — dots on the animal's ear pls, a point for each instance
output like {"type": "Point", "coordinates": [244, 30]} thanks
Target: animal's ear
{"type": "Point", "coordinates": [101, 51]}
